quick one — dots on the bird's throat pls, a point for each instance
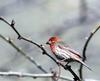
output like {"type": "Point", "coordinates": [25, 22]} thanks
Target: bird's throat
{"type": "Point", "coordinates": [52, 46]}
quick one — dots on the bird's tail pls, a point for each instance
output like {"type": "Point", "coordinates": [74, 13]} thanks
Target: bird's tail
{"type": "Point", "coordinates": [85, 64]}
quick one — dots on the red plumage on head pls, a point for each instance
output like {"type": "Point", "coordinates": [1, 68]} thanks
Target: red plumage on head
{"type": "Point", "coordinates": [54, 39]}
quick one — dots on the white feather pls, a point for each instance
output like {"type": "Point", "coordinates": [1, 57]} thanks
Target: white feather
{"type": "Point", "coordinates": [62, 53]}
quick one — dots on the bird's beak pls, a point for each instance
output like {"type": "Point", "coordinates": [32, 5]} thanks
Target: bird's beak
{"type": "Point", "coordinates": [48, 43]}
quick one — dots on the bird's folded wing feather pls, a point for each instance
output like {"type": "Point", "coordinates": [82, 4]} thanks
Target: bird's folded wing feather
{"type": "Point", "coordinates": [68, 48]}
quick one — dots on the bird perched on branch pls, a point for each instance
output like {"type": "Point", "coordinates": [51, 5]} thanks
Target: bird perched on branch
{"type": "Point", "coordinates": [63, 52]}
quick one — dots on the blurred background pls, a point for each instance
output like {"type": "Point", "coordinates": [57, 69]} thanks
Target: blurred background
{"type": "Point", "coordinates": [71, 20]}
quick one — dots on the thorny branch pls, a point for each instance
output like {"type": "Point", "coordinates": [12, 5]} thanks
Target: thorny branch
{"type": "Point", "coordinates": [85, 48]}
{"type": "Point", "coordinates": [66, 67]}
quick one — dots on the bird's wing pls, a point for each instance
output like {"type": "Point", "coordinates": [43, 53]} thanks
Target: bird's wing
{"type": "Point", "coordinates": [72, 54]}
{"type": "Point", "coordinates": [73, 51]}
{"type": "Point", "coordinates": [61, 52]}
{"type": "Point", "coordinates": [68, 48]}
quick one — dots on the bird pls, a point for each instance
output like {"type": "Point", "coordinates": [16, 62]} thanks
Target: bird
{"type": "Point", "coordinates": [63, 52]}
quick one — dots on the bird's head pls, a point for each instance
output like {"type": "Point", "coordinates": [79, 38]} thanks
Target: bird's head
{"type": "Point", "coordinates": [53, 40]}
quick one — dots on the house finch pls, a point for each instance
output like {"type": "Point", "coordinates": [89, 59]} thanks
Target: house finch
{"type": "Point", "coordinates": [63, 52]}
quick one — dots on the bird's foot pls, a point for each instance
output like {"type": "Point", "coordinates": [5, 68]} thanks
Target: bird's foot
{"type": "Point", "coordinates": [59, 62]}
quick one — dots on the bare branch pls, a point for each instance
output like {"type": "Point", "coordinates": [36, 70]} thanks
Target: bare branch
{"type": "Point", "coordinates": [19, 74]}
{"type": "Point", "coordinates": [85, 48]}
{"type": "Point", "coordinates": [66, 67]}
{"type": "Point", "coordinates": [23, 53]}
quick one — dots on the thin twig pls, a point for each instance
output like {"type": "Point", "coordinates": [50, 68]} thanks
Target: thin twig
{"type": "Point", "coordinates": [66, 67]}
{"type": "Point", "coordinates": [19, 74]}
{"type": "Point", "coordinates": [85, 48]}
{"type": "Point", "coordinates": [29, 58]}
{"type": "Point", "coordinates": [23, 53]}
